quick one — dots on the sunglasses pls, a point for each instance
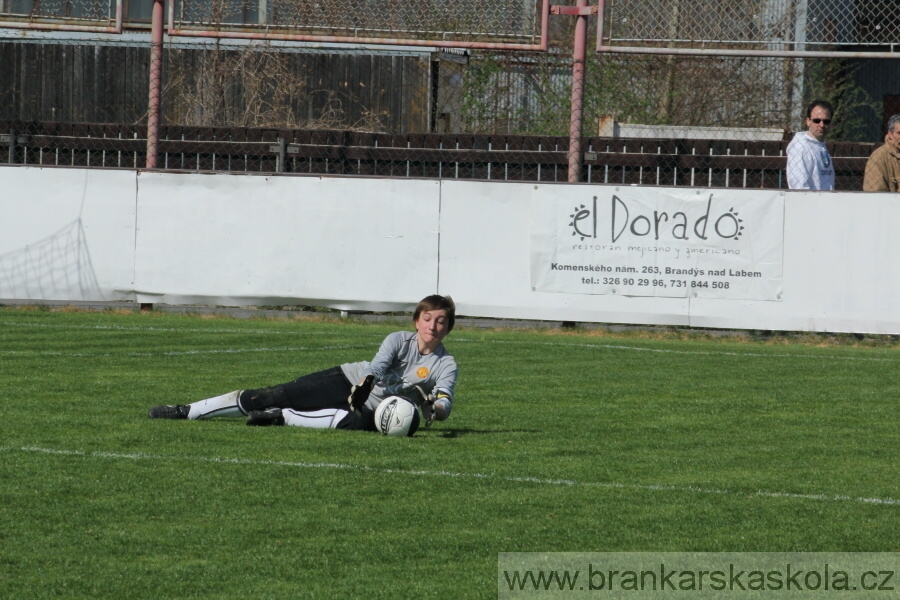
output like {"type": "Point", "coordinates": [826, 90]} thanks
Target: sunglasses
{"type": "Point", "coordinates": [822, 121]}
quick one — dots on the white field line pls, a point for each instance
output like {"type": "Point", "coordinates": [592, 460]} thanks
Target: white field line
{"type": "Point", "coordinates": [451, 341]}
{"type": "Point", "coordinates": [487, 476]}
{"type": "Point", "coordinates": [455, 340]}
{"type": "Point", "coordinates": [158, 329]}
{"type": "Point", "coordinates": [187, 352]}
{"type": "Point", "coordinates": [689, 352]}
{"type": "Point", "coordinates": [152, 329]}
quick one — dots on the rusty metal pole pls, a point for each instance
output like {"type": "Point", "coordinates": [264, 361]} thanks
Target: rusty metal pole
{"type": "Point", "coordinates": [153, 108]}
{"type": "Point", "coordinates": [576, 119]}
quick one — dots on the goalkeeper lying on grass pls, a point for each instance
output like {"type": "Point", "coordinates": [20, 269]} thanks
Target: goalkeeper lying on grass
{"type": "Point", "coordinates": [413, 365]}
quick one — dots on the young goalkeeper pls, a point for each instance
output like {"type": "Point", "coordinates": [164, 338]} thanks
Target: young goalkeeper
{"type": "Point", "coordinates": [414, 365]}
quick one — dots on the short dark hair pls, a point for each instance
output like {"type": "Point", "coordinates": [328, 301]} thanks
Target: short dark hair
{"type": "Point", "coordinates": [437, 302]}
{"type": "Point", "coordinates": [823, 103]}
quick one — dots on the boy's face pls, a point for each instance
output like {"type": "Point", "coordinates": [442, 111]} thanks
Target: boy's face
{"type": "Point", "coordinates": [432, 325]}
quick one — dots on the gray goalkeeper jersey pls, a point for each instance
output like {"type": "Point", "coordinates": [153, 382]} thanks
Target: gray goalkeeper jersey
{"type": "Point", "coordinates": [398, 366]}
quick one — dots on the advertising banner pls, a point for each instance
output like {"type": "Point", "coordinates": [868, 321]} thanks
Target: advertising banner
{"type": "Point", "coordinates": [661, 242]}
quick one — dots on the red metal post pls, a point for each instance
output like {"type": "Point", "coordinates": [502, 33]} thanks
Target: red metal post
{"type": "Point", "coordinates": [601, 13]}
{"type": "Point", "coordinates": [545, 25]}
{"type": "Point", "coordinates": [575, 125]}
{"type": "Point", "coordinates": [153, 109]}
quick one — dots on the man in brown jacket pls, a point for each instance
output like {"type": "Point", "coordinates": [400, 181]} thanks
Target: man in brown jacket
{"type": "Point", "coordinates": [883, 167]}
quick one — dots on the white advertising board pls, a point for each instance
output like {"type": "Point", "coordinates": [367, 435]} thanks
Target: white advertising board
{"type": "Point", "coordinates": [831, 259]}
{"type": "Point", "coordinates": [347, 243]}
{"type": "Point", "coordinates": [664, 242]}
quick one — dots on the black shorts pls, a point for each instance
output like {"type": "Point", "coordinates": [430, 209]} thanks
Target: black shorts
{"type": "Point", "coordinates": [323, 389]}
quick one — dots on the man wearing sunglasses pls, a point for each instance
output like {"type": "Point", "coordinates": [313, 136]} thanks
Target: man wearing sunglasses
{"type": "Point", "coordinates": [809, 166]}
{"type": "Point", "coordinates": [883, 167]}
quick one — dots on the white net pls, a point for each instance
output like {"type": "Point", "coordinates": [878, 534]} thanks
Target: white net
{"type": "Point", "coordinates": [56, 267]}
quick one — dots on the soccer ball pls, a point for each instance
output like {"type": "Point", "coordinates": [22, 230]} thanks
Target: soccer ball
{"type": "Point", "coordinates": [396, 416]}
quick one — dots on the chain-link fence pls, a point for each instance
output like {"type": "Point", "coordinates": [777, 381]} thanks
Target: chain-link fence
{"type": "Point", "coordinates": [517, 22]}
{"type": "Point", "coordinates": [266, 106]}
{"type": "Point", "coordinates": [759, 24]}
{"type": "Point", "coordinates": [512, 21]}
{"type": "Point", "coordinates": [801, 25]}
{"type": "Point", "coordinates": [95, 14]}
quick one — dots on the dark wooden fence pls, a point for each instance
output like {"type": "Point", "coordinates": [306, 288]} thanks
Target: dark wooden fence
{"type": "Point", "coordinates": [109, 83]}
{"type": "Point", "coordinates": [697, 163]}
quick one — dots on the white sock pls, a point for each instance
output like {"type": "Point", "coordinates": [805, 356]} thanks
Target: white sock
{"type": "Point", "coordinates": [225, 405]}
{"type": "Point", "coordinates": [317, 419]}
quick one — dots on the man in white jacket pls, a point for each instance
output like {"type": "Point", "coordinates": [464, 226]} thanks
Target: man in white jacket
{"type": "Point", "coordinates": [809, 166]}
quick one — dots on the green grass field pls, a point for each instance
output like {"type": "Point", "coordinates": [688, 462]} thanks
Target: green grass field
{"type": "Point", "coordinates": [575, 441]}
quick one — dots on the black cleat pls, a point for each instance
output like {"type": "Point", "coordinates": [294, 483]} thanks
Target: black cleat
{"type": "Point", "coordinates": [168, 411]}
{"type": "Point", "coordinates": [360, 393]}
{"type": "Point", "coordinates": [263, 418]}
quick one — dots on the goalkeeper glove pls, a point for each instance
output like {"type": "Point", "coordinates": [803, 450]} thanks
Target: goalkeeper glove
{"type": "Point", "coordinates": [360, 393]}
{"type": "Point", "coordinates": [428, 408]}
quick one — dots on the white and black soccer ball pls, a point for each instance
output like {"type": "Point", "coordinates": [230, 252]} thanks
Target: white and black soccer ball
{"type": "Point", "coordinates": [396, 415]}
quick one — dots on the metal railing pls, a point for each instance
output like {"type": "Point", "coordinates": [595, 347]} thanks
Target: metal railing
{"type": "Point", "coordinates": [655, 162]}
